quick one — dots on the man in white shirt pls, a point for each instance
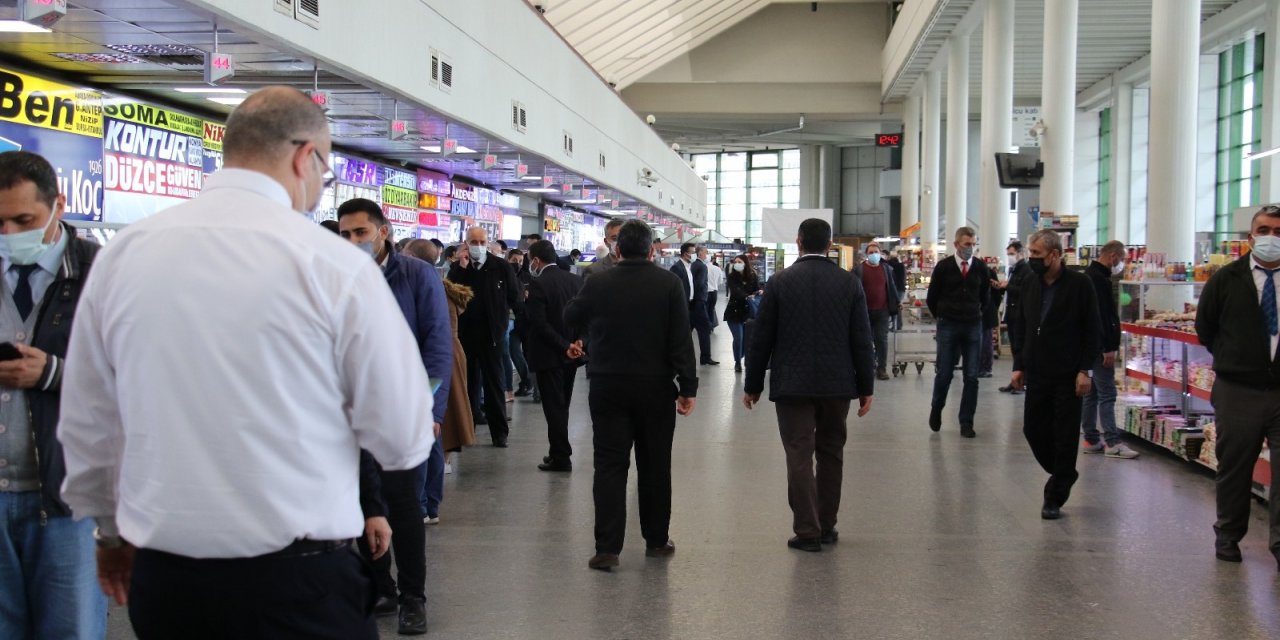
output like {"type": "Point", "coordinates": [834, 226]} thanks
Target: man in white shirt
{"type": "Point", "coordinates": [715, 278]}
{"type": "Point", "coordinates": [230, 360]}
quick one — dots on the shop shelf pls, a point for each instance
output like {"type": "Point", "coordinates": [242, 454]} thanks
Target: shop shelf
{"type": "Point", "coordinates": [1203, 394]}
{"type": "Point", "coordinates": [1165, 334]}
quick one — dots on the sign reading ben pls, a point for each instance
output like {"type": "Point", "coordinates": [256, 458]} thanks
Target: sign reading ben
{"type": "Point", "coordinates": [153, 158]}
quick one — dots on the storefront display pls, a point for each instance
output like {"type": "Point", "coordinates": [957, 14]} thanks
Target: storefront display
{"type": "Point", "coordinates": [400, 202]}
{"type": "Point", "coordinates": [434, 206]}
{"type": "Point", "coordinates": [356, 179]}
{"type": "Point", "coordinates": [152, 159]}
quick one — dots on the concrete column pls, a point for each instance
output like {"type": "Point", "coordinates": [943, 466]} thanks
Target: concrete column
{"type": "Point", "coordinates": [929, 167]}
{"type": "Point", "coordinates": [957, 195]}
{"type": "Point", "coordinates": [810, 179]}
{"type": "Point", "coordinates": [911, 161]}
{"type": "Point", "coordinates": [1121, 161]}
{"type": "Point", "coordinates": [1171, 185]}
{"type": "Point", "coordinates": [829, 190]}
{"type": "Point", "coordinates": [997, 122]}
{"type": "Point", "coordinates": [1058, 105]}
{"type": "Point", "coordinates": [1270, 169]}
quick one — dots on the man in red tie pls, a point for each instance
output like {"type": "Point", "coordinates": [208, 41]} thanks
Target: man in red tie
{"type": "Point", "coordinates": [958, 293]}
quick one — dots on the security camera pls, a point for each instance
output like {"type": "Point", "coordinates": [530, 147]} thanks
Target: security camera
{"type": "Point", "coordinates": [650, 119]}
{"type": "Point", "coordinates": [542, 8]}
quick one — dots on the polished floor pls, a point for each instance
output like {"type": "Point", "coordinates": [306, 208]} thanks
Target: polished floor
{"type": "Point", "coordinates": [940, 538]}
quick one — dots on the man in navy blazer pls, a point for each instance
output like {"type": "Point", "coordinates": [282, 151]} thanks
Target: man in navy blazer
{"type": "Point", "coordinates": [693, 275]}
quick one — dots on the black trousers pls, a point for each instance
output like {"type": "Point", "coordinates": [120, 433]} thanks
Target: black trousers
{"type": "Point", "coordinates": [1245, 417]}
{"type": "Point", "coordinates": [328, 595]}
{"type": "Point", "coordinates": [408, 539]}
{"type": "Point", "coordinates": [556, 388]}
{"type": "Point", "coordinates": [484, 370]}
{"type": "Point", "coordinates": [814, 427]}
{"type": "Point", "coordinates": [699, 322]}
{"type": "Point", "coordinates": [628, 411]}
{"type": "Point", "coordinates": [1051, 425]}
{"type": "Point", "coordinates": [712, 299]}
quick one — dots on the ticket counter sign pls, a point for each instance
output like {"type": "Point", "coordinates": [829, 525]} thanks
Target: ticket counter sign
{"type": "Point", "coordinates": [153, 158]}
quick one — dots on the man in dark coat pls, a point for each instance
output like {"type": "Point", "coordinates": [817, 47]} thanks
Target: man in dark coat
{"type": "Point", "coordinates": [547, 344]}
{"type": "Point", "coordinates": [693, 275]}
{"type": "Point", "coordinates": [813, 334]}
{"type": "Point", "coordinates": [1008, 290]}
{"type": "Point", "coordinates": [958, 292]}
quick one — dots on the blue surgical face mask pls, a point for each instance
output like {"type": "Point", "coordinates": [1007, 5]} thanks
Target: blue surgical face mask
{"type": "Point", "coordinates": [369, 248]}
{"type": "Point", "coordinates": [26, 247]}
{"type": "Point", "coordinates": [874, 259]}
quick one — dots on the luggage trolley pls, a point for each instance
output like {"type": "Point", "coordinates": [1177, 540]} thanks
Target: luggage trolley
{"type": "Point", "coordinates": [915, 343]}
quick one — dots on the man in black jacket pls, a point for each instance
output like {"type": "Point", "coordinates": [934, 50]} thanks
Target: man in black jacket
{"type": "Point", "coordinates": [1100, 404]}
{"type": "Point", "coordinates": [482, 328]}
{"type": "Point", "coordinates": [1055, 338]}
{"type": "Point", "coordinates": [693, 275]}
{"type": "Point", "coordinates": [1237, 323]}
{"type": "Point", "coordinates": [958, 292]}
{"type": "Point", "coordinates": [546, 345]}
{"type": "Point", "coordinates": [1018, 269]}
{"type": "Point", "coordinates": [637, 318]}
{"type": "Point", "coordinates": [814, 335]}
{"type": "Point", "coordinates": [54, 591]}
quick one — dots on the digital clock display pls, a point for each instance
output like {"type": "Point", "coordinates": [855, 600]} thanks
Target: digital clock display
{"type": "Point", "coordinates": [889, 140]}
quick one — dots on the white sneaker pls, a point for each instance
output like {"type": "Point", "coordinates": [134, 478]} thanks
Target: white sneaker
{"type": "Point", "coordinates": [430, 519]}
{"type": "Point", "coordinates": [1121, 451]}
{"type": "Point", "coordinates": [1096, 447]}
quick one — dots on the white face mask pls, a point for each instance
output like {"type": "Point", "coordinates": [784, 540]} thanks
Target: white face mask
{"type": "Point", "coordinates": [478, 254]}
{"type": "Point", "coordinates": [739, 267]}
{"type": "Point", "coordinates": [1118, 269]}
{"type": "Point", "coordinates": [1266, 248]}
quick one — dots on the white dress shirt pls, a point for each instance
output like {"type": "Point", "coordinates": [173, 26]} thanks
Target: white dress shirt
{"type": "Point", "coordinates": [688, 273]}
{"type": "Point", "coordinates": [229, 361]}
{"type": "Point", "coordinates": [715, 276]}
{"type": "Point", "coordinates": [1260, 279]}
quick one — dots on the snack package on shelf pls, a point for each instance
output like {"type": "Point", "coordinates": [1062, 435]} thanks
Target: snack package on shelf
{"type": "Point", "coordinates": [1208, 450]}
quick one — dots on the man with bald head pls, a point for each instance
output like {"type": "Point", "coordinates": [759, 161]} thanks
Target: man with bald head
{"type": "Point", "coordinates": [482, 328]}
{"type": "Point", "coordinates": [230, 360]}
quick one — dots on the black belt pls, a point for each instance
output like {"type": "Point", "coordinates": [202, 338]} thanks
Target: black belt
{"type": "Point", "coordinates": [305, 547]}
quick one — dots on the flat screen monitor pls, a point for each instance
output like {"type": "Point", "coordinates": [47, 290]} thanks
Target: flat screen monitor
{"type": "Point", "coordinates": [1019, 171]}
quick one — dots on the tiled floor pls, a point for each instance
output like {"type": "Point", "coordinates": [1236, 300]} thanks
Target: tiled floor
{"type": "Point", "coordinates": [940, 538]}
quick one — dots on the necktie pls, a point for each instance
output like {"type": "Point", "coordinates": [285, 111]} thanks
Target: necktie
{"type": "Point", "coordinates": [964, 269]}
{"type": "Point", "coordinates": [22, 293]}
{"type": "Point", "coordinates": [1269, 301]}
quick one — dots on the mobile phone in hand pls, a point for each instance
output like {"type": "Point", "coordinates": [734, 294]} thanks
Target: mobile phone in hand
{"type": "Point", "coordinates": [9, 352]}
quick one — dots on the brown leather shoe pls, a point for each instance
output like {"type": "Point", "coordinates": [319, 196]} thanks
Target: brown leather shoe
{"type": "Point", "coordinates": [665, 551]}
{"type": "Point", "coordinates": [603, 561]}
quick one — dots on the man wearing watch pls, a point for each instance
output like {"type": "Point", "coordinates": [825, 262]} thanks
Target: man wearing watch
{"type": "Point", "coordinates": [1056, 335]}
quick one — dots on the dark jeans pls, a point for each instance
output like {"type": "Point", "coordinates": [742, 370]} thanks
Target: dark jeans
{"type": "Point", "coordinates": [880, 336]}
{"type": "Point", "coordinates": [515, 347]}
{"type": "Point", "coordinates": [328, 595]}
{"type": "Point", "coordinates": [1051, 425]}
{"type": "Point", "coordinates": [809, 428]}
{"type": "Point", "coordinates": [1252, 415]}
{"type": "Point", "coordinates": [1100, 407]}
{"type": "Point", "coordinates": [698, 322]}
{"type": "Point", "coordinates": [408, 538]}
{"type": "Point", "coordinates": [484, 376]}
{"type": "Point", "coordinates": [712, 320]}
{"type": "Point", "coordinates": [987, 356]}
{"type": "Point", "coordinates": [739, 348]}
{"type": "Point", "coordinates": [957, 341]}
{"type": "Point", "coordinates": [628, 411]}
{"type": "Point", "coordinates": [556, 387]}
{"type": "Point", "coordinates": [431, 481]}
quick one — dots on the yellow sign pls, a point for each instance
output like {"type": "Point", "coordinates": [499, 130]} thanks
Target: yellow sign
{"type": "Point", "coordinates": [213, 134]}
{"type": "Point", "coordinates": [37, 102]}
{"type": "Point", "coordinates": [910, 231]}
{"type": "Point", "coordinates": [153, 116]}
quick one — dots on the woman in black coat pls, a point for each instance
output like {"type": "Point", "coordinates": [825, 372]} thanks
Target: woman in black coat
{"type": "Point", "coordinates": [743, 284]}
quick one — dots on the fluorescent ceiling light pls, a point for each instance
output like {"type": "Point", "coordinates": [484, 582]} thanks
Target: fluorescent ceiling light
{"type": "Point", "coordinates": [431, 148]}
{"type": "Point", "coordinates": [208, 90]}
{"type": "Point", "coordinates": [542, 190]}
{"type": "Point", "coordinates": [18, 26]}
{"type": "Point", "coordinates": [462, 149]}
{"type": "Point", "coordinates": [227, 101]}
{"type": "Point", "coordinates": [580, 201]}
{"type": "Point", "coordinates": [532, 178]}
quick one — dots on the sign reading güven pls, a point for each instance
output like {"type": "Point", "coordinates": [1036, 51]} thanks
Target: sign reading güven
{"type": "Point", "coordinates": [153, 158]}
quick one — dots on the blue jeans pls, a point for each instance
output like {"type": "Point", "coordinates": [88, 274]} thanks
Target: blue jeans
{"type": "Point", "coordinates": [1100, 406]}
{"type": "Point", "coordinates": [957, 340]}
{"type": "Point", "coordinates": [735, 330]}
{"type": "Point", "coordinates": [48, 574]}
{"type": "Point", "coordinates": [515, 347]}
{"type": "Point", "coordinates": [431, 481]}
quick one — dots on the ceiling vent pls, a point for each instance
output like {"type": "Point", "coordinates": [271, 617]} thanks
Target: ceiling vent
{"type": "Point", "coordinates": [170, 55]}
{"type": "Point", "coordinates": [519, 117]}
{"type": "Point", "coordinates": [98, 58]}
{"type": "Point", "coordinates": [602, 162]}
{"type": "Point", "coordinates": [568, 144]}
{"type": "Point", "coordinates": [305, 11]}
{"type": "Point", "coordinates": [285, 7]}
{"type": "Point", "coordinates": [441, 71]}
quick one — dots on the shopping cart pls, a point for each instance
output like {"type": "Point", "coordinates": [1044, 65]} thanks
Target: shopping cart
{"type": "Point", "coordinates": [915, 342]}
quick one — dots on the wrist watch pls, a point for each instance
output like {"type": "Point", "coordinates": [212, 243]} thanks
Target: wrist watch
{"type": "Point", "coordinates": [106, 542]}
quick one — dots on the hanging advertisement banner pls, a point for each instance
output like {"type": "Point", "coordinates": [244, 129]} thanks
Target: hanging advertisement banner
{"type": "Point", "coordinates": [400, 202]}
{"type": "Point", "coordinates": [152, 159]}
{"type": "Point", "coordinates": [36, 102]}
{"type": "Point", "coordinates": [213, 134]}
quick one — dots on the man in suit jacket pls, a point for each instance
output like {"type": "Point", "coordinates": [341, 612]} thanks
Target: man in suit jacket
{"type": "Point", "coordinates": [813, 333]}
{"type": "Point", "coordinates": [546, 346]}
{"type": "Point", "coordinates": [1056, 337]}
{"type": "Point", "coordinates": [1237, 323]}
{"type": "Point", "coordinates": [636, 318]}
{"type": "Point", "coordinates": [693, 275]}
{"type": "Point", "coordinates": [958, 293]}
{"type": "Point", "coordinates": [609, 260]}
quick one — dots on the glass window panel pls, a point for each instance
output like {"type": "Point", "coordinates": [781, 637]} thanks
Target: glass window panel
{"type": "Point", "coordinates": [1237, 60]}
{"type": "Point", "coordinates": [705, 163]}
{"type": "Point", "coordinates": [733, 212]}
{"type": "Point", "coordinates": [764, 160]}
{"type": "Point", "coordinates": [1233, 170]}
{"type": "Point", "coordinates": [1255, 192]}
{"type": "Point", "coordinates": [731, 179]}
{"type": "Point", "coordinates": [1256, 114]}
{"type": "Point", "coordinates": [791, 176]}
{"type": "Point", "coordinates": [1223, 161]}
{"type": "Point", "coordinates": [1221, 198]}
{"type": "Point", "coordinates": [1236, 129]}
{"type": "Point", "coordinates": [1224, 100]}
{"type": "Point", "coordinates": [1233, 195]}
{"type": "Point", "coordinates": [733, 229]}
{"type": "Point", "coordinates": [755, 228]}
{"type": "Point", "coordinates": [1246, 126]}
{"type": "Point", "coordinates": [767, 196]}
{"type": "Point", "coordinates": [791, 194]}
{"type": "Point", "coordinates": [791, 159]}
{"type": "Point", "coordinates": [1224, 134]}
{"type": "Point", "coordinates": [764, 178]}
{"type": "Point", "coordinates": [733, 196]}
{"type": "Point", "coordinates": [733, 162]}
{"type": "Point", "coordinates": [1237, 95]}
{"type": "Point", "coordinates": [1257, 91]}
{"type": "Point", "coordinates": [1261, 43]}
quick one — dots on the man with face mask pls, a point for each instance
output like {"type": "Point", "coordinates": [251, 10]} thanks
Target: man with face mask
{"type": "Point", "coordinates": [1100, 404]}
{"type": "Point", "coordinates": [606, 262]}
{"type": "Point", "coordinates": [1237, 323]}
{"type": "Point", "coordinates": [53, 590]}
{"type": "Point", "coordinates": [546, 346]}
{"type": "Point", "coordinates": [882, 302]}
{"type": "Point", "coordinates": [419, 292]}
{"type": "Point", "coordinates": [482, 328]}
{"type": "Point", "coordinates": [958, 292]}
{"type": "Point", "coordinates": [1056, 337]}
{"type": "Point", "coordinates": [235, 511]}
{"type": "Point", "coordinates": [693, 275]}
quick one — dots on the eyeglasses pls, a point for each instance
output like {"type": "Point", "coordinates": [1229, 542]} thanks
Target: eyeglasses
{"type": "Point", "coordinates": [328, 176]}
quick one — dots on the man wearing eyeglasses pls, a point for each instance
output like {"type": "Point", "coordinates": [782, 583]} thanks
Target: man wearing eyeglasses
{"type": "Point", "coordinates": [229, 361]}
{"type": "Point", "coordinates": [1237, 322]}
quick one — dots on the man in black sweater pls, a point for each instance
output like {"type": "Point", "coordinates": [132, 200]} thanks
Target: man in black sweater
{"type": "Point", "coordinates": [1100, 404]}
{"type": "Point", "coordinates": [546, 346]}
{"type": "Point", "coordinates": [636, 317]}
{"type": "Point", "coordinates": [813, 333]}
{"type": "Point", "coordinates": [1055, 338]}
{"type": "Point", "coordinates": [958, 293]}
{"type": "Point", "coordinates": [1237, 323]}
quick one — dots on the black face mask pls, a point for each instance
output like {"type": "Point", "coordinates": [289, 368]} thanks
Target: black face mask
{"type": "Point", "coordinates": [1038, 266]}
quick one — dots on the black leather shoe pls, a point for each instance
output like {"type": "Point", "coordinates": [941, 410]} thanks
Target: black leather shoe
{"type": "Point", "coordinates": [737, 367]}
{"type": "Point", "coordinates": [413, 618]}
{"type": "Point", "coordinates": [966, 431]}
{"type": "Point", "coordinates": [935, 420]}
{"type": "Point", "coordinates": [882, 375]}
{"type": "Point", "coordinates": [523, 392]}
{"type": "Point", "coordinates": [480, 418]}
{"type": "Point", "coordinates": [385, 607]}
{"type": "Point", "coordinates": [830, 536]}
{"type": "Point", "coordinates": [1050, 511]}
{"type": "Point", "coordinates": [603, 561]}
{"type": "Point", "coordinates": [1008, 388]}
{"type": "Point", "coordinates": [812, 545]}
{"type": "Point", "coordinates": [1229, 552]}
{"type": "Point", "coordinates": [555, 466]}
{"type": "Point", "coordinates": [710, 362]}
{"type": "Point", "coordinates": [501, 444]}
{"type": "Point", "coordinates": [665, 551]}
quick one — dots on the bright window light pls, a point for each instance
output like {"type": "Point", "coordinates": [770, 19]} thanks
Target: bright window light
{"type": "Point", "coordinates": [542, 190]}
{"type": "Point", "coordinates": [209, 90]}
{"type": "Point", "coordinates": [431, 148]}
{"type": "Point", "coordinates": [227, 101]}
{"type": "Point", "coordinates": [462, 149]}
{"type": "Point", "coordinates": [532, 178]}
{"type": "Point", "coordinates": [18, 26]}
